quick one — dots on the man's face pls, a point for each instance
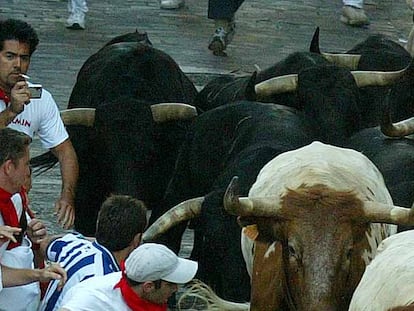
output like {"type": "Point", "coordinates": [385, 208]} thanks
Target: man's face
{"type": "Point", "coordinates": [160, 295]}
{"type": "Point", "coordinates": [19, 172]}
{"type": "Point", "coordinates": [14, 60]}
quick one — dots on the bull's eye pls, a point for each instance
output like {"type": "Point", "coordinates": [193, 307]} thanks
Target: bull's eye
{"type": "Point", "coordinates": [349, 254]}
{"type": "Point", "coordinates": [347, 261]}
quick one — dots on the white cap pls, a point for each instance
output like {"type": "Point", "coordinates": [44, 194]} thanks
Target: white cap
{"type": "Point", "coordinates": [151, 262]}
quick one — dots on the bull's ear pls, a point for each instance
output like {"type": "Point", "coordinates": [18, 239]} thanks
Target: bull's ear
{"type": "Point", "coordinates": [262, 228]}
{"type": "Point", "coordinates": [251, 232]}
{"type": "Point", "coordinates": [250, 93]}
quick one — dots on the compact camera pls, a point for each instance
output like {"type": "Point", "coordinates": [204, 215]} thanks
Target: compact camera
{"type": "Point", "coordinates": [35, 90]}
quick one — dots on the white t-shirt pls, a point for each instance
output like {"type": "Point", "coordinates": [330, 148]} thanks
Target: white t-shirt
{"type": "Point", "coordinates": [25, 297]}
{"type": "Point", "coordinates": [41, 116]}
{"type": "Point", "coordinates": [97, 293]}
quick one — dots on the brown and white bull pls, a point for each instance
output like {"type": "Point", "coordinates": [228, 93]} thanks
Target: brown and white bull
{"type": "Point", "coordinates": [320, 212]}
{"type": "Point", "coordinates": [317, 210]}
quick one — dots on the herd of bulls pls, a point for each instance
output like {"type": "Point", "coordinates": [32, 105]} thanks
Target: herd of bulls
{"type": "Point", "coordinates": [314, 209]}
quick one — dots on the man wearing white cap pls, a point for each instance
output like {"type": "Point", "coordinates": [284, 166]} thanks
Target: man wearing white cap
{"type": "Point", "coordinates": [149, 277]}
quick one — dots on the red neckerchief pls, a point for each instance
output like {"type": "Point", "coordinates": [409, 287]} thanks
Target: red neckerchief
{"type": "Point", "coordinates": [8, 212]}
{"type": "Point", "coordinates": [132, 299]}
{"type": "Point", "coordinates": [25, 202]}
{"type": "Point", "coordinates": [26, 209]}
{"type": "Point", "coordinates": [4, 97]}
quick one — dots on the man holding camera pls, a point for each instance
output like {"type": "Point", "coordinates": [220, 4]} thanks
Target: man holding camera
{"type": "Point", "coordinates": [22, 112]}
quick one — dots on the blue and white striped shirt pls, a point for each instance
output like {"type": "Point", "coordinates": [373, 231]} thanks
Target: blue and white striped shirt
{"type": "Point", "coordinates": [81, 259]}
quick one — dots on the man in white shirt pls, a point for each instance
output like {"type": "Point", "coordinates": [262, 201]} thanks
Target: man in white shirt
{"type": "Point", "coordinates": [40, 116]}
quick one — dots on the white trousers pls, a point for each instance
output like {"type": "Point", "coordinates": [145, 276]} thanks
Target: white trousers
{"type": "Point", "coordinates": [77, 6]}
{"type": "Point", "coordinates": [355, 3]}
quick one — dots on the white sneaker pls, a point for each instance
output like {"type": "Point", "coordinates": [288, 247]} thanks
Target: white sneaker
{"type": "Point", "coordinates": [354, 16]}
{"type": "Point", "coordinates": [76, 20]}
{"type": "Point", "coordinates": [171, 4]}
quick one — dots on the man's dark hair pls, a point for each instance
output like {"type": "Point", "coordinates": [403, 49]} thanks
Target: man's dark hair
{"type": "Point", "coordinates": [13, 145]}
{"type": "Point", "coordinates": [14, 29]}
{"type": "Point", "coordinates": [120, 219]}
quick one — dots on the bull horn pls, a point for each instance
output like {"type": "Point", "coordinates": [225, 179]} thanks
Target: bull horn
{"type": "Point", "coordinates": [247, 207]}
{"type": "Point", "coordinates": [78, 116]}
{"type": "Point", "coordinates": [399, 129]}
{"type": "Point", "coordinates": [378, 78]}
{"type": "Point", "coordinates": [350, 61]}
{"type": "Point", "coordinates": [164, 112]}
{"type": "Point", "coordinates": [390, 214]}
{"type": "Point", "coordinates": [184, 211]}
{"type": "Point", "coordinates": [343, 60]}
{"type": "Point", "coordinates": [277, 85]}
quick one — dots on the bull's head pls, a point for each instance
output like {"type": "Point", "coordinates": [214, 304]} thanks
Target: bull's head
{"type": "Point", "coordinates": [162, 112]}
{"type": "Point", "coordinates": [311, 244]}
{"type": "Point", "coordinates": [125, 149]}
{"type": "Point", "coordinates": [289, 83]}
{"type": "Point", "coordinates": [307, 257]}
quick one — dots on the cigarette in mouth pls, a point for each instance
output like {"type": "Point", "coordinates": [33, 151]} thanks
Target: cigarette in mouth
{"type": "Point", "coordinates": [25, 76]}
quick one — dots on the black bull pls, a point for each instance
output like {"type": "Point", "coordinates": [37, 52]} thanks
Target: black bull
{"type": "Point", "coordinates": [125, 152]}
{"type": "Point", "coordinates": [236, 139]}
{"type": "Point", "coordinates": [380, 53]}
{"type": "Point", "coordinates": [376, 53]}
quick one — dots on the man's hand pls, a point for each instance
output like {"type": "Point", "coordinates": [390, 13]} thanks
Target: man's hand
{"type": "Point", "coordinates": [36, 231]}
{"type": "Point", "coordinates": [53, 272]}
{"type": "Point", "coordinates": [8, 233]}
{"type": "Point", "coordinates": [69, 169]}
{"type": "Point", "coordinates": [65, 212]}
{"type": "Point", "coordinates": [20, 96]}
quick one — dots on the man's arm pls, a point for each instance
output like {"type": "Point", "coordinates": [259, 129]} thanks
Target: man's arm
{"type": "Point", "coordinates": [6, 116]}
{"type": "Point", "coordinates": [69, 170]}
{"type": "Point", "coordinates": [16, 277]}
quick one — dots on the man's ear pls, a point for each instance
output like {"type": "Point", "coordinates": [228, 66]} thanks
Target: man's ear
{"type": "Point", "coordinates": [148, 286]}
{"type": "Point", "coordinates": [7, 166]}
{"type": "Point", "coordinates": [137, 240]}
